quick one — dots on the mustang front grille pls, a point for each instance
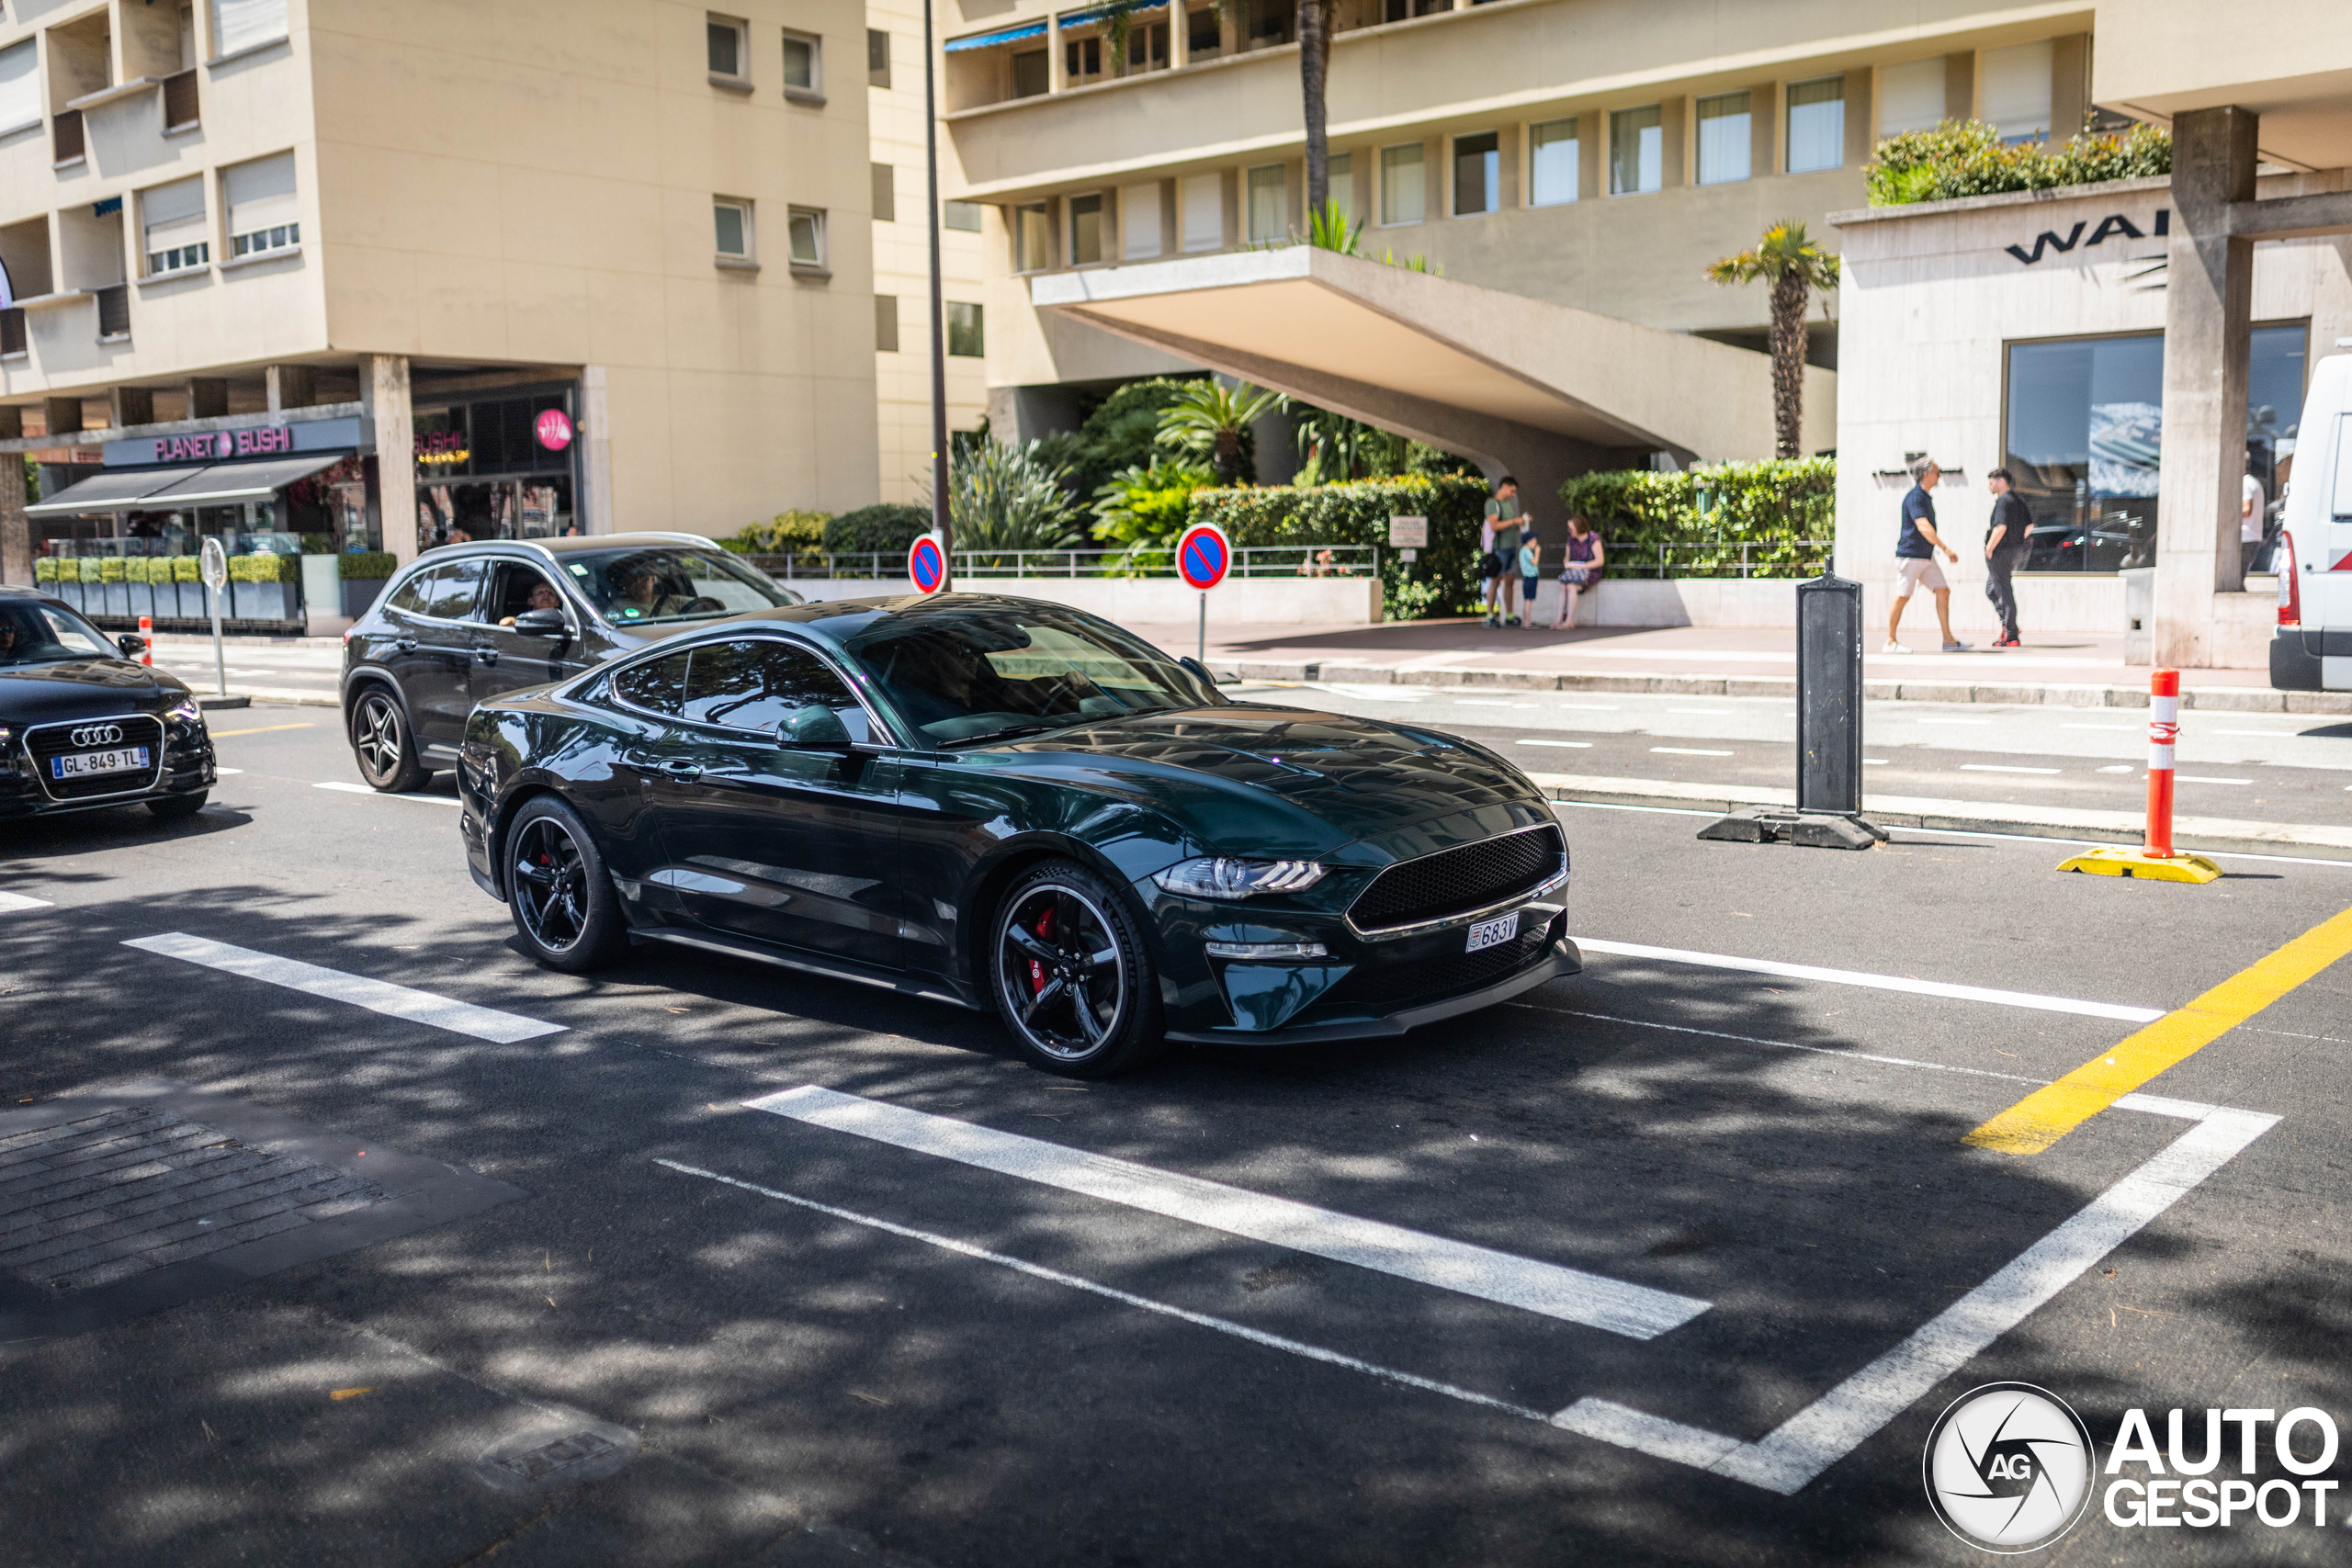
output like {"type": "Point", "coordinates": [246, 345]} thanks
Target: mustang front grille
{"type": "Point", "coordinates": [1455, 882]}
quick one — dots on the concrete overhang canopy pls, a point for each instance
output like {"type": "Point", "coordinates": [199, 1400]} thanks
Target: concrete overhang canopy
{"type": "Point", "coordinates": [1431, 356]}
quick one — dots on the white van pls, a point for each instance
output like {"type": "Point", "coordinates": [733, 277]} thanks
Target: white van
{"type": "Point", "coordinates": [2312, 651]}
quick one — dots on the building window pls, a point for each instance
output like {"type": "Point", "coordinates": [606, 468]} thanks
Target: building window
{"type": "Point", "coordinates": [877, 58]}
{"type": "Point", "coordinates": [1637, 150]}
{"type": "Point", "coordinates": [1339, 174]}
{"type": "Point", "coordinates": [1477, 173]}
{"type": "Point", "coordinates": [1401, 10]}
{"type": "Point", "coordinates": [1031, 251]}
{"type": "Point", "coordinates": [1202, 40]}
{"type": "Point", "coordinates": [1082, 58]}
{"type": "Point", "coordinates": [1816, 125]}
{"type": "Point", "coordinates": [731, 220]}
{"type": "Point", "coordinates": [886, 323]}
{"type": "Point", "coordinates": [729, 39]}
{"type": "Point", "coordinates": [2016, 90]}
{"type": "Point", "coordinates": [1139, 221]}
{"type": "Point", "coordinates": [964, 214]}
{"type": "Point", "coordinates": [1203, 198]}
{"type": "Point", "coordinates": [1553, 171]}
{"type": "Point", "coordinates": [19, 87]}
{"type": "Point", "coordinates": [264, 214]}
{"type": "Point", "coordinates": [1085, 230]}
{"type": "Point", "coordinates": [1911, 96]}
{"type": "Point", "coordinates": [240, 25]}
{"type": "Point", "coordinates": [806, 233]}
{"type": "Point", "coordinates": [1722, 139]}
{"type": "Point", "coordinates": [1402, 189]}
{"type": "Point", "coordinates": [885, 194]}
{"type": "Point", "coordinates": [803, 65]}
{"type": "Point", "coordinates": [1030, 76]}
{"type": "Point", "coordinates": [172, 226]}
{"type": "Point", "coordinates": [965, 336]}
{"type": "Point", "coordinates": [1269, 205]}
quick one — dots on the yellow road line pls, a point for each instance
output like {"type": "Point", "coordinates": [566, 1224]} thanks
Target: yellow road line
{"type": "Point", "coordinates": [2046, 1115]}
{"type": "Point", "coordinates": [264, 729]}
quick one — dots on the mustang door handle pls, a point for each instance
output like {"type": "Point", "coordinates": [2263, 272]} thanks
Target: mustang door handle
{"type": "Point", "coordinates": [679, 768]}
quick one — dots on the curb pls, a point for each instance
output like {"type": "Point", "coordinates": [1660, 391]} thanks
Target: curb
{"type": "Point", "coordinates": [244, 696]}
{"type": "Point", "coordinates": [2021, 694]}
{"type": "Point", "coordinates": [2219, 834]}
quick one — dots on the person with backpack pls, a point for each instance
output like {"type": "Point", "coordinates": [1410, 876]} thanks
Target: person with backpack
{"type": "Point", "coordinates": [1499, 548]}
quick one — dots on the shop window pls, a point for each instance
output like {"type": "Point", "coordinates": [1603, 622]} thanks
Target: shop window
{"type": "Point", "coordinates": [806, 226]}
{"type": "Point", "coordinates": [19, 87]}
{"type": "Point", "coordinates": [1816, 125]}
{"type": "Point", "coordinates": [1030, 75]}
{"type": "Point", "coordinates": [965, 336]}
{"type": "Point", "coordinates": [1402, 189]}
{"type": "Point", "coordinates": [728, 47]}
{"type": "Point", "coordinates": [1477, 173]}
{"type": "Point", "coordinates": [804, 63]}
{"type": "Point", "coordinates": [1911, 96]}
{"type": "Point", "coordinates": [1031, 248]}
{"type": "Point", "coordinates": [1085, 230]}
{"type": "Point", "coordinates": [885, 194]}
{"type": "Point", "coordinates": [172, 226]}
{"type": "Point", "coordinates": [2015, 86]}
{"type": "Point", "coordinates": [963, 215]}
{"type": "Point", "coordinates": [264, 214]}
{"type": "Point", "coordinates": [1139, 221]}
{"type": "Point", "coordinates": [240, 25]}
{"type": "Point", "coordinates": [1269, 205]}
{"type": "Point", "coordinates": [1552, 170]}
{"type": "Point", "coordinates": [732, 226]}
{"type": "Point", "coordinates": [1339, 174]}
{"type": "Point", "coordinates": [886, 323]}
{"type": "Point", "coordinates": [1722, 139]}
{"type": "Point", "coordinates": [877, 58]}
{"type": "Point", "coordinates": [1637, 150]}
{"type": "Point", "coordinates": [1202, 197]}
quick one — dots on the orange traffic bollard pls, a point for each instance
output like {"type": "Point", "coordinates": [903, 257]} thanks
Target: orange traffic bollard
{"type": "Point", "coordinates": [2156, 857]}
{"type": "Point", "coordinates": [147, 634]}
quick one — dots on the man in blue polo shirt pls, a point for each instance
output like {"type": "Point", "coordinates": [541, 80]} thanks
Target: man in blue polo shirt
{"type": "Point", "coordinates": [1915, 558]}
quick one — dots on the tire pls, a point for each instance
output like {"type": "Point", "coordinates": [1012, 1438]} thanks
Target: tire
{"type": "Point", "coordinates": [383, 744]}
{"type": "Point", "coordinates": [173, 808]}
{"type": "Point", "coordinates": [1086, 1007]}
{"type": "Point", "coordinates": [558, 890]}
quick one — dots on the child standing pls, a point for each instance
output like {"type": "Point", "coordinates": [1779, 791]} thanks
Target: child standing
{"type": "Point", "coordinates": [1531, 570]}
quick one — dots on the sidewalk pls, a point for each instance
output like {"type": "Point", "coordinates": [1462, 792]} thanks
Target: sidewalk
{"type": "Point", "coordinates": [2060, 668]}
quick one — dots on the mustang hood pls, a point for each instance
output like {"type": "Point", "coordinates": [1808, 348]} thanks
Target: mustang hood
{"type": "Point", "coordinates": [79, 688]}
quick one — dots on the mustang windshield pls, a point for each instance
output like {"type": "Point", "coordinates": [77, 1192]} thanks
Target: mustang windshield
{"type": "Point", "coordinates": [45, 634]}
{"type": "Point", "coordinates": [631, 588]}
{"type": "Point", "coordinates": [965, 672]}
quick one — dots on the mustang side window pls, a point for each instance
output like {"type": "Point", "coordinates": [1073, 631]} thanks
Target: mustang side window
{"type": "Point", "coordinates": [657, 685]}
{"type": "Point", "coordinates": [757, 684]}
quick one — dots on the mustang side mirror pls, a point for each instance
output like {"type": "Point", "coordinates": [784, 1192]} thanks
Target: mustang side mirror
{"type": "Point", "coordinates": [814, 727]}
{"type": "Point", "coordinates": [541, 622]}
{"type": "Point", "coordinates": [132, 644]}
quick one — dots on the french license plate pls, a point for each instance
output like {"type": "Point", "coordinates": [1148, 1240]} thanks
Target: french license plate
{"type": "Point", "coordinates": [1494, 932]}
{"type": "Point", "coordinates": [82, 764]}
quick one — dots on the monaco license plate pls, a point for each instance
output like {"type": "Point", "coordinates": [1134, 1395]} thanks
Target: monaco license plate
{"type": "Point", "coordinates": [1494, 932]}
{"type": "Point", "coordinates": [83, 764]}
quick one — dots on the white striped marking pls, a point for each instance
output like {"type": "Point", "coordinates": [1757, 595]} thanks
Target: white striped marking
{"type": "Point", "coordinates": [1579, 744]}
{"type": "Point", "coordinates": [1688, 751]}
{"type": "Point", "coordinates": [362, 789]}
{"type": "Point", "coordinates": [2000, 768]}
{"type": "Point", "coordinates": [2192, 778]}
{"type": "Point", "coordinates": [1876, 982]}
{"type": "Point", "coordinates": [11, 902]}
{"type": "Point", "coordinates": [1634, 1310]}
{"type": "Point", "coordinates": [376, 996]}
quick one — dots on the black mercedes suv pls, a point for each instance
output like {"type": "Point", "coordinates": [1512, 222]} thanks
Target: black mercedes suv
{"type": "Point", "coordinates": [465, 622]}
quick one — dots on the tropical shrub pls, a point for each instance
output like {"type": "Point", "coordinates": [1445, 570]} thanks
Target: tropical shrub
{"type": "Point", "coordinates": [353, 566]}
{"type": "Point", "coordinates": [888, 526]}
{"type": "Point", "coordinates": [1145, 509]}
{"type": "Point", "coordinates": [787, 533]}
{"type": "Point", "coordinates": [113, 568]}
{"type": "Point", "coordinates": [1209, 420]}
{"type": "Point", "coordinates": [191, 569]}
{"type": "Point", "coordinates": [1004, 497]}
{"type": "Point", "coordinates": [44, 569]}
{"type": "Point", "coordinates": [88, 570]}
{"type": "Point", "coordinates": [1962, 158]}
{"type": "Point", "coordinates": [1443, 581]}
{"type": "Point", "coordinates": [262, 565]}
{"type": "Point", "coordinates": [1712, 512]}
{"type": "Point", "coordinates": [1119, 434]}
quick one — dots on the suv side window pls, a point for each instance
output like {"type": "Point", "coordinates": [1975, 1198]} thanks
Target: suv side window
{"type": "Point", "coordinates": [758, 684]}
{"type": "Point", "coordinates": [511, 586]}
{"type": "Point", "coordinates": [657, 685]}
{"type": "Point", "coordinates": [416, 593]}
{"type": "Point", "coordinates": [456, 586]}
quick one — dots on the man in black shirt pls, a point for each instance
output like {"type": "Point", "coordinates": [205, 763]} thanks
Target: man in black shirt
{"type": "Point", "coordinates": [1915, 558]}
{"type": "Point", "coordinates": [2004, 548]}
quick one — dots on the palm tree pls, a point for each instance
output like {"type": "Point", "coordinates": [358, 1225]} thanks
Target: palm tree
{"type": "Point", "coordinates": [1208, 420]}
{"type": "Point", "coordinates": [1315, 21]}
{"type": "Point", "coordinates": [1794, 266]}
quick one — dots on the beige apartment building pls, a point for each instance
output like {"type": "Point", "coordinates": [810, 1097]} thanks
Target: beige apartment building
{"type": "Point", "coordinates": [278, 268]}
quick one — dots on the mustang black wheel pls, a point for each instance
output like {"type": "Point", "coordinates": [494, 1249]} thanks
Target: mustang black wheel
{"type": "Point", "coordinates": [1072, 976]}
{"type": "Point", "coordinates": [382, 744]}
{"type": "Point", "coordinates": [556, 884]}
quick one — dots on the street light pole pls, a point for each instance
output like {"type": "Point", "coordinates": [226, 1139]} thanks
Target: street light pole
{"type": "Point", "coordinates": [939, 519]}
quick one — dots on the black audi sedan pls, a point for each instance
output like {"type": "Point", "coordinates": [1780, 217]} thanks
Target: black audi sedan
{"type": "Point", "coordinates": [84, 725]}
{"type": "Point", "coordinates": [1015, 806]}
{"type": "Point", "coordinates": [468, 622]}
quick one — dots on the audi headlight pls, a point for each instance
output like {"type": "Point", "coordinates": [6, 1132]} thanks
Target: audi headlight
{"type": "Point", "coordinates": [1214, 876]}
{"type": "Point", "coordinates": [187, 711]}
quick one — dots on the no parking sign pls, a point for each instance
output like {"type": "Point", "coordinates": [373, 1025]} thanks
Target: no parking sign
{"type": "Point", "coordinates": [1203, 555]}
{"type": "Point", "coordinates": [927, 564]}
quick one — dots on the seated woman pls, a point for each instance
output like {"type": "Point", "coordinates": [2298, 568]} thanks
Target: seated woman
{"type": "Point", "coordinates": [1582, 572]}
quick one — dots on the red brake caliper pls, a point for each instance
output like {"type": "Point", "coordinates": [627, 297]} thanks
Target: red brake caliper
{"type": "Point", "coordinates": [1045, 932]}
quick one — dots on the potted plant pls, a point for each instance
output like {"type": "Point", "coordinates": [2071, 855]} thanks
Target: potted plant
{"type": "Point", "coordinates": [363, 574]}
{"type": "Point", "coordinates": [114, 597]}
{"type": "Point", "coordinates": [45, 574]}
{"type": "Point", "coordinates": [187, 577]}
{"type": "Point", "coordinates": [263, 592]}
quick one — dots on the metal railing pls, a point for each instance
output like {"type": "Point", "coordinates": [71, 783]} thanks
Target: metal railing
{"type": "Point", "coordinates": [1749, 557]}
{"type": "Point", "coordinates": [1249, 560]}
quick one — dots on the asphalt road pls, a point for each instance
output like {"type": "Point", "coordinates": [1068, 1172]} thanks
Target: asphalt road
{"type": "Point", "coordinates": [703, 1333]}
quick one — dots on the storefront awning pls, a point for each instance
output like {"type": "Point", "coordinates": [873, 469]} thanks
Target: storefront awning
{"type": "Point", "coordinates": [225, 482]}
{"type": "Point", "coordinates": [1003, 35]}
{"type": "Point", "coordinates": [109, 493]}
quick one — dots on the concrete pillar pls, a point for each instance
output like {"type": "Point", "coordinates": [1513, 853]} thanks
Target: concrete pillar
{"type": "Point", "coordinates": [1179, 36]}
{"type": "Point", "coordinates": [2208, 295]}
{"type": "Point", "coordinates": [290, 386]}
{"type": "Point", "coordinates": [60, 416]}
{"type": "Point", "coordinates": [383, 391]}
{"type": "Point", "coordinates": [131, 405]}
{"type": "Point", "coordinates": [593, 510]}
{"type": "Point", "coordinates": [1960, 86]}
{"type": "Point", "coordinates": [2070, 85]}
{"type": "Point", "coordinates": [15, 531]}
{"type": "Point", "coordinates": [1056, 74]}
{"type": "Point", "coordinates": [208, 397]}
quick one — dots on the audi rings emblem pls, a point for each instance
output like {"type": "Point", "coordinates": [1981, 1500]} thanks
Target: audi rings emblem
{"type": "Point", "coordinates": [97, 735]}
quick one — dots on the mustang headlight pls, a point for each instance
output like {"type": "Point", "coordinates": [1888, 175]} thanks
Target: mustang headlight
{"type": "Point", "coordinates": [1214, 876]}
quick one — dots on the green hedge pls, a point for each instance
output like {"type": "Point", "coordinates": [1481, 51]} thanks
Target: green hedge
{"type": "Point", "coordinates": [88, 570]}
{"type": "Point", "coordinates": [1712, 510]}
{"type": "Point", "coordinates": [187, 568]}
{"type": "Point", "coordinates": [365, 566]}
{"type": "Point", "coordinates": [886, 526]}
{"type": "Point", "coordinates": [1966, 158]}
{"type": "Point", "coordinates": [44, 569]}
{"type": "Point", "coordinates": [1443, 582]}
{"type": "Point", "coordinates": [262, 565]}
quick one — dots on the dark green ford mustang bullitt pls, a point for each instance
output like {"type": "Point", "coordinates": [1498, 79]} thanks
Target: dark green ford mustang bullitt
{"type": "Point", "coordinates": [1018, 805]}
